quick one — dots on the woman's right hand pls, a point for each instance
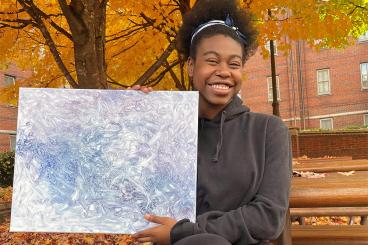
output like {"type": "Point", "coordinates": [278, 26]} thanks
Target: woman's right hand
{"type": "Point", "coordinates": [144, 89]}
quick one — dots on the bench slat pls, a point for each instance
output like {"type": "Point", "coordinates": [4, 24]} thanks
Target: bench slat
{"type": "Point", "coordinates": [329, 211]}
{"type": "Point", "coordinates": [330, 232]}
{"type": "Point", "coordinates": [329, 242]}
{"type": "Point", "coordinates": [333, 166]}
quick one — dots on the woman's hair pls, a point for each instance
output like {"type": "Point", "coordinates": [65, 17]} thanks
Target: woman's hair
{"type": "Point", "coordinates": [207, 10]}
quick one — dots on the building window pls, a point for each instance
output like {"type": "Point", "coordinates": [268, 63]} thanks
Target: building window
{"type": "Point", "coordinates": [364, 75]}
{"type": "Point", "coordinates": [12, 142]}
{"type": "Point", "coordinates": [364, 37]}
{"type": "Point", "coordinates": [269, 85]}
{"type": "Point", "coordinates": [8, 80]}
{"type": "Point", "coordinates": [239, 94]}
{"type": "Point", "coordinates": [326, 123]}
{"type": "Point", "coordinates": [320, 43]}
{"type": "Point", "coordinates": [267, 46]}
{"type": "Point", "coordinates": [323, 82]}
{"type": "Point", "coordinates": [365, 119]}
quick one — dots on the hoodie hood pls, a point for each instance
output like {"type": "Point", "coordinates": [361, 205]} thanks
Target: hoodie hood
{"type": "Point", "coordinates": [231, 111]}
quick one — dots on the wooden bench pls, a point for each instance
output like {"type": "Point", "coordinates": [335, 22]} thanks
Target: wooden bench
{"type": "Point", "coordinates": [300, 213]}
{"type": "Point", "coordinates": [5, 208]}
{"type": "Point", "coordinates": [336, 192]}
{"type": "Point", "coordinates": [329, 234]}
{"type": "Point", "coordinates": [332, 166]}
{"type": "Point", "coordinates": [322, 159]}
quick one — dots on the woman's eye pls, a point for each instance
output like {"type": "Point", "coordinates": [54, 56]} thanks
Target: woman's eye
{"type": "Point", "coordinates": [235, 65]}
{"type": "Point", "coordinates": [212, 61]}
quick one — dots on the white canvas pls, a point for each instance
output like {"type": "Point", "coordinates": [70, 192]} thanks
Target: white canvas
{"type": "Point", "coordinates": [96, 161]}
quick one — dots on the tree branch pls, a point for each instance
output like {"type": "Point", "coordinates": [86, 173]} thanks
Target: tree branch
{"type": "Point", "coordinates": [159, 77]}
{"type": "Point", "coordinates": [53, 24]}
{"type": "Point", "coordinates": [178, 84]}
{"type": "Point", "coordinates": [74, 22]}
{"type": "Point", "coordinates": [155, 66]}
{"type": "Point", "coordinates": [124, 49]}
{"type": "Point", "coordinates": [113, 81]}
{"type": "Point", "coordinates": [129, 33]}
{"type": "Point", "coordinates": [30, 8]}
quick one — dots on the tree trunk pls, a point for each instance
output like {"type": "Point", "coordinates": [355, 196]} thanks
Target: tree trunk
{"type": "Point", "coordinates": [87, 22]}
{"type": "Point", "coordinates": [275, 101]}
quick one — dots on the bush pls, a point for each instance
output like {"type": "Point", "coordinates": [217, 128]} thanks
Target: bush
{"type": "Point", "coordinates": [6, 169]}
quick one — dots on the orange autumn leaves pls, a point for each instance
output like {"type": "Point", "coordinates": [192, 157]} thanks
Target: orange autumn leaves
{"type": "Point", "coordinates": [10, 238]}
{"type": "Point", "coordinates": [138, 32]}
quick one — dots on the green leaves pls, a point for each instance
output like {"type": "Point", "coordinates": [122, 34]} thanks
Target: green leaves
{"type": "Point", "coordinates": [6, 169]}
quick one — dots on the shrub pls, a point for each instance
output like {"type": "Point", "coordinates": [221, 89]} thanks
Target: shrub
{"type": "Point", "coordinates": [6, 169]}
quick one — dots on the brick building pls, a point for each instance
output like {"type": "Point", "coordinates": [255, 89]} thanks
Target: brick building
{"type": "Point", "coordinates": [8, 113]}
{"type": "Point", "coordinates": [326, 89]}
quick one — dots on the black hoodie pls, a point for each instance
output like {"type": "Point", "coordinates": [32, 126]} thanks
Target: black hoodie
{"type": "Point", "coordinates": [244, 173]}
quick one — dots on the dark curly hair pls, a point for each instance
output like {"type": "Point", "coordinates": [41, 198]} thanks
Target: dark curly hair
{"type": "Point", "coordinates": [206, 10]}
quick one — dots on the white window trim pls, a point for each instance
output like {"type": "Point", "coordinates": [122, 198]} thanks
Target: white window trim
{"type": "Point", "coordinates": [12, 143]}
{"type": "Point", "coordinates": [269, 82]}
{"type": "Point", "coordinates": [361, 75]}
{"type": "Point", "coordinates": [363, 38]}
{"type": "Point", "coordinates": [267, 47]}
{"type": "Point", "coordinates": [14, 78]}
{"type": "Point", "coordinates": [317, 43]}
{"type": "Point", "coordinates": [329, 82]}
{"type": "Point", "coordinates": [326, 119]}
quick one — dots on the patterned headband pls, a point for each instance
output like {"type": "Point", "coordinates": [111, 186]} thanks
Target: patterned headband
{"type": "Point", "coordinates": [228, 23]}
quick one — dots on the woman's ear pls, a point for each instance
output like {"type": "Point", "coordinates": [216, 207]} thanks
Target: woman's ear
{"type": "Point", "coordinates": [190, 66]}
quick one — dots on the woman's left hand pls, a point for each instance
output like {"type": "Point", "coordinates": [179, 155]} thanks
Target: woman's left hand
{"type": "Point", "coordinates": [159, 234]}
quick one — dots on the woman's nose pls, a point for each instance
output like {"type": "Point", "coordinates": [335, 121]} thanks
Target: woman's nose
{"type": "Point", "coordinates": [222, 72]}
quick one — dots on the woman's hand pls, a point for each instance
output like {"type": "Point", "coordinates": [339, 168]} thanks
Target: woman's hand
{"type": "Point", "coordinates": [144, 89]}
{"type": "Point", "coordinates": [159, 234]}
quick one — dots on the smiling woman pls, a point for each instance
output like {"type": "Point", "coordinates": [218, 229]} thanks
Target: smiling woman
{"type": "Point", "coordinates": [244, 160]}
{"type": "Point", "coordinates": [216, 73]}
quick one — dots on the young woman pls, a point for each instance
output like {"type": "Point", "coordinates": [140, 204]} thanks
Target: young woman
{"type": "Point", "coordinates": [244, 160]}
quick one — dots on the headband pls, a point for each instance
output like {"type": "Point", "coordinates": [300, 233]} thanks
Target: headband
{"type": "Point", "coordinates": [229, 23]}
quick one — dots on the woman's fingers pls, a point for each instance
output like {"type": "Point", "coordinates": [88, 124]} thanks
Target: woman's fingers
{"type": "Point", "coordinates": [145, 239]}
{"type": "Point", "coordinates": [144, 89]}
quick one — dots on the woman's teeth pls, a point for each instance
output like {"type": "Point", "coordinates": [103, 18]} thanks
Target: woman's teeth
{"type": "Point", "coordinates": [220, 86]}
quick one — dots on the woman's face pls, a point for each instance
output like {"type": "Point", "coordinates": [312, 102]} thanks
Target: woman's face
{"type": "Point", "coordinates": [216, 72]}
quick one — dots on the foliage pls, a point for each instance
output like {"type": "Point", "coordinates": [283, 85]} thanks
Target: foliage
{"type": "Point", "coordinates": [333, 23]}
{"type": "Point", "coordinates": [6, 194]}
{"type": "Point", "coordinates": [6, 169]}
{"type": "Point", "coordinates": [9, 238]}
{"type": "Point", "coordinates": [132, 42]}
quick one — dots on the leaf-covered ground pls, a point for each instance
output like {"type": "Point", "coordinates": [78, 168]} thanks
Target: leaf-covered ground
{"type": "Point", "coordinates": [8, 238]}
{"type": "Point", "coordinates": [11, 238]}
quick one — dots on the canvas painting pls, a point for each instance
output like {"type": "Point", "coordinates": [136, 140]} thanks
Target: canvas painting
{"type": "Point", "coordinates": [96, 161]}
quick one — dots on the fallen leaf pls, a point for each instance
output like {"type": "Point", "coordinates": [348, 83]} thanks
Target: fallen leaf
{"type": "Point", "coordinates": [347, 173]}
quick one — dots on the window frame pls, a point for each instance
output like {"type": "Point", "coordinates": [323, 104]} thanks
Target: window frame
{"type": "Point", "coordinates": [269, 88]}
{"type": "Point", "coordinates": [6, 83]}
{"type": "Point", "coordinates": [325, 119]}
{"type": "Point", "coordinates": [268, 48]}
{"type": "Point", "coordinates": [363, 38]}
{"type": "Point", "coordinates": [361, 75]}
{"type": "Point", "coordinates": [12, 142]}
{"type": "Point", "coordinates": [319, 82]}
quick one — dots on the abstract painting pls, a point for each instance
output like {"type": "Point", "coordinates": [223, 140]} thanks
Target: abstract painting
{"type": "Point", "coordinates": [96, 161]}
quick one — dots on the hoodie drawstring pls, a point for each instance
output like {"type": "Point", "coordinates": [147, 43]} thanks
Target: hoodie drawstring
{"type": "Point", "coordinates": [219, 143]}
